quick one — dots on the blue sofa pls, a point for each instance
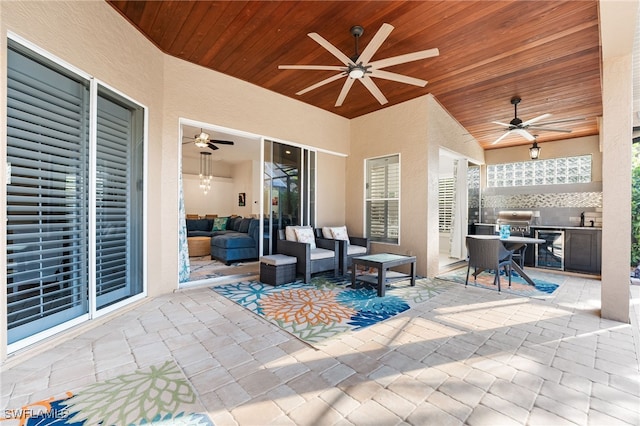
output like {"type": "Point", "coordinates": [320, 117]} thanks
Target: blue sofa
{"type": "Point", "coordinates": [239, 243]}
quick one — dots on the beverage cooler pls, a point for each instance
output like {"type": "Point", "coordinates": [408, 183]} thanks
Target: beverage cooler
{"type": "Point", "coordinates": [550, 254]}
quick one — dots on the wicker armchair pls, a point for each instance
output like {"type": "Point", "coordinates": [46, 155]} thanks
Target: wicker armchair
{"type": "Point", "coordinates": [347, 250]}
{"type": "Point", "coordinates": [310, 260]}
{"type": "Point", "coordinates": [490, 254]}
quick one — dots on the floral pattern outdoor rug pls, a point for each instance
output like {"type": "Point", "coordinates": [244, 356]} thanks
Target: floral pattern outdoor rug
{"type": "Point", "coordinates": [327, 306]}
{"type": "Point", "coordinates": [159, 395]}
{"type": "Point", "coordinates": [545, 283]}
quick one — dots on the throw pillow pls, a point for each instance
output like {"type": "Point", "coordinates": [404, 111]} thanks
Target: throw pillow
{"type": "Point", "coordinates": [219, 224]}
{"type": "Point", "coordinates": [326, 232]}
{"type": "Point", "coordinates": [305, 235]}
{"type": "Point", "coordinates": [290, 233]}
{"type": "Point", "coordinates": [340, 233]}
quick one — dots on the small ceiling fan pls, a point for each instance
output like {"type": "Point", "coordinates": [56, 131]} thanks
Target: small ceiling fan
{"type": "Point", "coordinates": [520, 127]}
{"type": "Point", "coordinates": [203, 140]}
{"type": "Point", "coordinates": [360, 67]}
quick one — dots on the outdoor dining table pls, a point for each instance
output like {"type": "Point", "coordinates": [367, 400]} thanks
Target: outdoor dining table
{"type": "Point", "coordinates": [513, 243]}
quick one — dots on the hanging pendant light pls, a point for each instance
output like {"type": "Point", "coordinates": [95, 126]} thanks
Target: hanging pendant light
{"type": "Point", "coordinates": [206, 171]}
{"type": "Point", "coordinates": [534, 151]}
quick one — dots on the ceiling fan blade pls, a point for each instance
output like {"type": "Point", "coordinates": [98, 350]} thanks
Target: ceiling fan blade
{"type": "Point", "coordinates": [501, 123]}
{"type": "Point", "coordinates": [403, 59]}
{"type": "Point", "coordinates": [375, 43]}
{"type": "Point", "coordinates": [566, 120]}
{"type": "Point", "coordinates": [311, 67]}
{"type": "Point", "coordinates": [549, 129]}
{"type": "Point", "coordinates": [345, 89]}
{"type": "Point", "coordinates": [221, 142]}
{"type": "Point", "coordinates": [386, 75]}
{"type": "Point", "coordinates": [528, 136]}
{"type": "Point", "coordinates": [321, 83]}
{"type": "Point", "coordinates": [371, 86]}
{"type": "Point", "coordinates": [212, 146]}
{"type": "Point", "coordinates": [504, 135]}
{"type": "Point", "coordinates": [330, 47]}
{"type": "Point", "coordinates": [535, 119]}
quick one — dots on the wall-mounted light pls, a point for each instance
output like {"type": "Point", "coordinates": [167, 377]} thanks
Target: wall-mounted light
{"type": "Point", "coordinates": [534, 151]}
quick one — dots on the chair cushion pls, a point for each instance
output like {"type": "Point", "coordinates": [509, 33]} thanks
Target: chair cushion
{"type": "Point", "coordinates": [305, 235]}
{"type": "Point", "coordinates": [278, 259]}
{"type": "Point", "coordinates": [319, 253]}
{"type": "Point", "coordinates": [340, 233]}
{"type": "Point", "coordinates": [290, 232]}
{"type": "Point", "coordinates": [326, 232]}
{"type": "Point", "coordinates": [352, 249]}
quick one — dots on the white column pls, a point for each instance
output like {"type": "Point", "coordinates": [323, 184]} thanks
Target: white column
{"type": "Point", "coordinates": [618, 20]}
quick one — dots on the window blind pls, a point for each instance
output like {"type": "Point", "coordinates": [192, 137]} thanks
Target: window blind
{"type": "Point", "coordinates": [47, 207]}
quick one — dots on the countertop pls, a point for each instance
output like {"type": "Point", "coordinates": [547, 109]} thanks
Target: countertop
{"type": "Point", "coordinates": [583, 228]}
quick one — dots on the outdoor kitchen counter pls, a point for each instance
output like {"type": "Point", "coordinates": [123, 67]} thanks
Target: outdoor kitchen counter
{"type": "Point", "coordinates": [587, 228]}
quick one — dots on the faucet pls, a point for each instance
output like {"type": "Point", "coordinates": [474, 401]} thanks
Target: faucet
{"type": "Point", "coordinates": [582, 219]}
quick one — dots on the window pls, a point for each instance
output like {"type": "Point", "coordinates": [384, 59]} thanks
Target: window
{"type": "Point", "coordinates": [540, 172]}
{"type": "Point", "coordinates": [56, 191]}
{"type": "Point", "coordinates": [382, 199]}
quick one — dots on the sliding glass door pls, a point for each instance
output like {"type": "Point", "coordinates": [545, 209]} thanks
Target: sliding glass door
{"type": "Point", "coordinates": [74, 195]}
{"type": "Point", "coordinates": [289, 189]}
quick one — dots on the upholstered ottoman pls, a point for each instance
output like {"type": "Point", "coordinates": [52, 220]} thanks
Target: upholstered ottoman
{"type": "Point", "coordinates": [199, 246]}
{"type": "Point", "coordinates": [277, 269]}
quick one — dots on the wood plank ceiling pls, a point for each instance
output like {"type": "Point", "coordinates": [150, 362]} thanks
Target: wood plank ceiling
{"type": "Point", "coordinates": [545, 52]}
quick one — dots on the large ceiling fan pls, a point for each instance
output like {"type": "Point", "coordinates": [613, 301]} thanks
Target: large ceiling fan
{"type": "Point", "coordinates": [360, 67]}
{"type": "Point", "coordinates": [521, 127]}
{"type": "Point", "coordinates": [203, 140]}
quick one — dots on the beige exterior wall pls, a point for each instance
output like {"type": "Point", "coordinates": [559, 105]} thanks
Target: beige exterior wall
{"type": "Point", "coordinates": [416, 129]}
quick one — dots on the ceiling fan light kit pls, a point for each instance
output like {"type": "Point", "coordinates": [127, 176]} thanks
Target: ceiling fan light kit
{"type": "Point", "coordinates": [360, 67]}
{"type": "Point", "coordinates": [203, 141]}
{"type": "Point", "coordinates": [516, 125]}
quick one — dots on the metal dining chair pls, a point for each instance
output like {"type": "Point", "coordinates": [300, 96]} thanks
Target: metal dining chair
{"type": "Point", "coordinates": [488, 254]}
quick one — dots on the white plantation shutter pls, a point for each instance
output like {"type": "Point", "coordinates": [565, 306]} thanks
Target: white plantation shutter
{"type": "Point", "coordinates": [383, 199]}
{"type": "Point", "coordinates": [445, 203]}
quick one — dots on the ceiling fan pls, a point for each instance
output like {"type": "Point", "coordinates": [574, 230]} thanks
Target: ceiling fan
{"type": "Point", "coordinates": [203, 140]}
{"type": "Point", "coordinates": [360, 67]}
{"type": "Point", "coordinates": [520, 127]}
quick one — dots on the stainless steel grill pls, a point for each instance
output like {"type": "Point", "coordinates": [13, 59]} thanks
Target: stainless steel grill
{"type": "Point", "coordinates": [520, 221]}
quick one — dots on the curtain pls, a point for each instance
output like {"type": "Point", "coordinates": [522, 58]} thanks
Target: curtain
{"type": "Point", "coordinates": [459, 210]}
{"type": "Point", "coordinates": [183, 249]}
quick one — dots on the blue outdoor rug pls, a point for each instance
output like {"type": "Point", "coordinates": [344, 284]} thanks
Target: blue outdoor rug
{"type": "Point", "coordinates": [327, 307]}
{"type": "Point", "coordinates": [545, 283]}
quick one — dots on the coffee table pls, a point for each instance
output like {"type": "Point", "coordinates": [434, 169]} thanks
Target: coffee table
{"type": "Point", "coordinates": [382, 262]}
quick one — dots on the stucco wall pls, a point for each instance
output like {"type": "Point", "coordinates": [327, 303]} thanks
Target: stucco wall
{"type": "Point", "coordinates": [416, 130]}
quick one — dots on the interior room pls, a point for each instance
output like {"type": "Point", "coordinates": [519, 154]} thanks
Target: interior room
{"type": "Point", "coordinates": [141, 133]}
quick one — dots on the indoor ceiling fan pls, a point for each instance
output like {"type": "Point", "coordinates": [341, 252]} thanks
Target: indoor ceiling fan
{"type": "Point", "coordinates": [360, 67]}
{"type": "Point", "coordinates": [203, 140]}
{"type": "Point", "coordinates": [521, 127]}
